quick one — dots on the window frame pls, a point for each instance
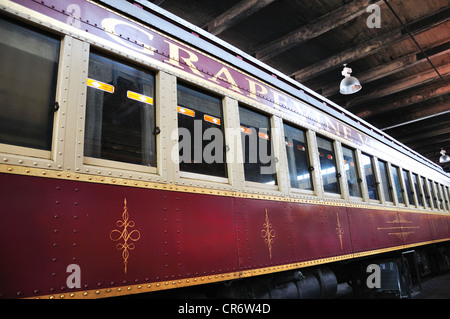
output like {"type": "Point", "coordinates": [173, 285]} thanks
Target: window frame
{"type": "Point", "coordinates": [447, 197]}
{"type": "Point", "coordinates": [54, 157]}
{"type": "Point", "coordinates": [396, 191]}
{"type": "Point", "coordinates": [194, 175]}
{"type": "Point", "coordinates": [434, 198]}
{"type": "Point", "coordinates": [272, 136]}
{"type": "Point", "coordinates": [309, 156]}
{"type": "Point", "coordinates": [426, 193]}
{"type": "Point", "coordinates": [338, 166]}
{"type": "Point", "coordinates": [359, 180]}
{"type": "Point", "coordinates": [418, 191]}
{"type": "Point", "coordinates": [373, 164]}
{"type": "Point", "coordinates": [439, 196]}
{"type": "Point", "coordinates": [92, 163]}
{"type": "Point", "coordinates": [409, 185]}
{"type": "Point", "coordinates": [389, 182]}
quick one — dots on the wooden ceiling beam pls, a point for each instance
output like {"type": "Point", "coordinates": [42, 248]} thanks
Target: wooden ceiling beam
{"type": "Point", "coordinates": [394, 66]}
{"type": "Point", "coordinates": [415, 141]}
{"type": "Point", "coordinates": [401, 85]}
{"type": "Point", "coordinates": [410, 115]}
{"type": "Point", "coordinates": [427, 129]}
{"type": "Point", "coordinates": [431, 149]}
{"type": "Point", "coordinates": [313, 29]}
{"type": "Point", "coordinates": [428, 145]}
{"type": "Point", "coordinates": [358, 52]}
{"type": "Point", "coordinates": [371, 46]}
{"type": "Point", "coordinates": [240, 11]}
{"type": "Point", "coordinates": [423, 94]}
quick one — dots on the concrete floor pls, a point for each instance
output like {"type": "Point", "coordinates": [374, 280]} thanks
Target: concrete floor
{"type": "Point", "coordinates": [435, 288]}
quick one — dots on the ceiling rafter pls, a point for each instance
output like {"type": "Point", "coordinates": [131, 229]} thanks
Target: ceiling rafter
{"type": "Point", "coordinates": [411, 115]}
{"type": "Point", "coordinates": [393, 63]}
{"type": "Point", "coordinates": [313, 29]}
{"type": "Point", "coordinates": [401, 85]}
{"type": "Point", "coordinates": [392, 67]}
{"type": "Point", "coordinates": [431, 150]}
{"type": "Point", "coordinates": [371, 46]}
{"type": "Point", "coordinates": [429, 127]}
{"type": "Point", "coordinates": [235, 14]}
{"type": "Point", "coordinates": [422, 94]}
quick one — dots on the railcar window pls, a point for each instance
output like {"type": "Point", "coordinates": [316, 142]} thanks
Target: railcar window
{"type": "Point", "coordinates": [298, 158]}
{"type": "Point", "coordinates": [328, 167]}
{"type": "Point", "coordinates": [398, 188]}
{"type": "Point", "coordinates": [439, 196]}
{"type": "Point", "coordinates": [384, 175]}
{"type": "Point", "coordinates": [433, 194]}
{"type": "Point", "coordinates": [120, 112]}
{"type": "Point", "coordinates": [28, 73]}
{"type": "Point", "coordinates": [417, 188]}
{"type": "Point", "coordinates": [257, 149]}
{"type": "Point", "coordinates": [409, 191]}
{"type": "Point", "coordinates": [425, 193]}
{"type": "Point", "coordinates": [447, 197]}
{"type": "Point", "coordinates": [351, 170]}
{"type": "Point", "coordinates": [444, 201]}
{"type": "Point", "coordinates": [370, 176]}
{"type": "Point", "coordinates": [201, 134]}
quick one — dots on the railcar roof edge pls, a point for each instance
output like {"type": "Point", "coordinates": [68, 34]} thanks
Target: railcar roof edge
{"type": "Point", "coordinates": [169, 23]}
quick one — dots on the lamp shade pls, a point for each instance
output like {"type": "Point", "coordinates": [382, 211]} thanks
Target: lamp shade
{"type": "Point", "coordinates": [350, 85]}
{"type": "Point", "coordinates": [444, 158]}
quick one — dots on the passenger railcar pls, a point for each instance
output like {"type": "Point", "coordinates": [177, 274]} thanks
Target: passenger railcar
{"type": "Point", "coordinates": [139, 154]}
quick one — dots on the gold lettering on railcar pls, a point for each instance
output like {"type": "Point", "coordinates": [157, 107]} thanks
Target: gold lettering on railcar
{"type": "Point", "coordinates": [268, 233]}
{"type": "Point", "coordinates": [193, 61]}
{"type": "Point", "coordinates": [256, 88]}
{"type": "Point", "coordinates": [125, 235]}
{"type": "Point", "coordinates": [225, 75]}
{"type": "Point", "coordinates": [175, 58]}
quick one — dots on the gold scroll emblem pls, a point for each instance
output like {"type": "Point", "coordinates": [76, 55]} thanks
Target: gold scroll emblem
{"type": "Point", "coordinates": [125, 235]}
{"type": "Point", "coordinates": [401, 231]}
{"type": "Point", "coordinates": [268, 234]}
{"type": "Point", "coordinates": [339, 230]}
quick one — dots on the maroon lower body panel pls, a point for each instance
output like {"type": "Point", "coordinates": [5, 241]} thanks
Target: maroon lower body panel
{"type": "Point", "coordinates": [125, 236]}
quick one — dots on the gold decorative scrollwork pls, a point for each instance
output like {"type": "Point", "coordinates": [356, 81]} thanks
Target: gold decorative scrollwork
{"type": "Point", "coordinates": [399, 220]}
{"type": "Point", "coordinates": [125, 235]}
{"type": "Point", "coordinates": [401, 231]}
{"type": "Point", "coordinates": [268, 234]}
{"type": "Point", "coordinates": [339, 230]}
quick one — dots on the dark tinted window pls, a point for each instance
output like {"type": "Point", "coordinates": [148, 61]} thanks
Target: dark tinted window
{"type": "Point", "coordinates": [298, 158]}
{"type": "Point", "coordinates": [200, 129]}
{"type": "Point", "coordinates": [369, 172]}
{"type": "Point", "coordinates": [28, 74]}
{"type": "Point", "coordinates": [259, 163]}
{"type": "Point", "coordinates": [384, 175]}
{"type": "Point", "coordinates": [409, 191]}
{"type": "Point", "coordinates": [438, 195]}
{"type": "Point", "coordinates": [328, 168]}
{"type": "Point", "coordinates": [425, 193]}
{"type": "Point", "coordinates": [417, 189]}
{"type": "Point", "coordinates": [351, 170]}
{"type": "Point", "coordinates": [120, 114]}
{"type": "Point", "coordinates": [397, 184]}
{"type": "Point", "coordinates": [446, 197]}
{"type": "Point", "coordinates": [433, 194]}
